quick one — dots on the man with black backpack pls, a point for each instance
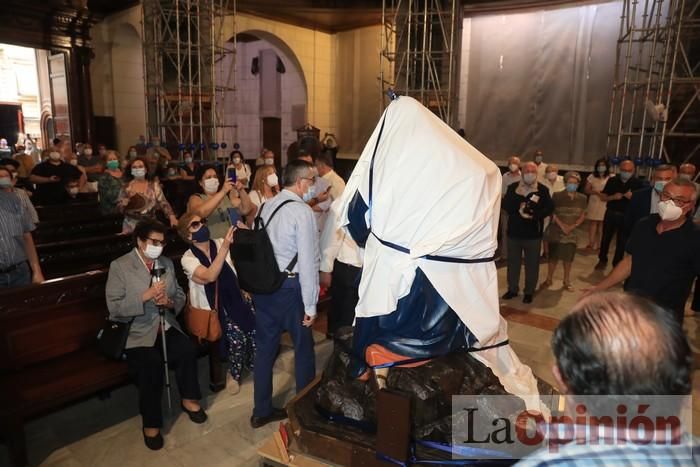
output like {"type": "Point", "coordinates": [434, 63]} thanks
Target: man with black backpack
{"type": "Point", "coordinates": [291, 227]}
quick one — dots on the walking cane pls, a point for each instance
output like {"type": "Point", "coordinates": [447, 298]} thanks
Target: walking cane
{"type": "Point", "coordinates": [156, 274]}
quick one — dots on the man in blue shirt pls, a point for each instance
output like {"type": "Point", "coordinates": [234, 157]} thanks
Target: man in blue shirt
{"type": "Point", "coordinates": [292, 307]}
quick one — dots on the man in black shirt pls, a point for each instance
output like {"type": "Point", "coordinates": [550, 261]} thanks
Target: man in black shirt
{"type": "Point", "coordinates": [663, 251]}
{"type": "Point", "coordinates": [527, 204]}
{"type": "Point", "coordinates": [50, 178]}
{"type": "Point", "coordinates": [617, 192]}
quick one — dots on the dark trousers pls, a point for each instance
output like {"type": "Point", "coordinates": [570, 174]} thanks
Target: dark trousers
{"type": "Point", "coordinates": [613, 223]}
{"type": "Point", "coordinates": [343, 296]}
{"type": "Point", "coordinates": [146, 368]}
{"type": "Point", "coordinates": [695, 306]}
{"type": "Point", "coordinates": [275, 313]}
{"type": "Point", "coordinates": [530, 249]}
{"type": "Point", "coordinates": [20, 276]}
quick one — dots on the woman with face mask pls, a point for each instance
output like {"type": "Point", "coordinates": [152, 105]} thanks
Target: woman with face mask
{"type": "Point", "coordinates": [265, 186]}
{"type": "Point", "coordinates": [215, 200]}
{"type": "Point", "coordinates": [188, 170]}
{"type": "Point", "coordinates": [595, 212]}
{"type": "Point", "coordinates": [134, 296]}
{"type": "Point", "coordinates": [569, 213]}
{"type": "Point", "coordinates": [142, 197]}
{"type": "Point", "coordinates": [213, 285]}
{"type": "Point", "coordinates": [110, 183]}
{"type": "Point", "coordinates": [243, 171]}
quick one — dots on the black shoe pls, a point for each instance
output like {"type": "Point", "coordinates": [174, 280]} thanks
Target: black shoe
{"type": "Point", "coordinates": [508, 295]}
{"type": "Point", "coordinates": [276, 414]}
{"type": "Point", "coordinates": [527, 298]}
{"type": "Point", "coordinates": [197, 417]}
{"type": "Point", "coordinates": [601, 266]}
{"type": "Point", "coordinates": [153, 443]}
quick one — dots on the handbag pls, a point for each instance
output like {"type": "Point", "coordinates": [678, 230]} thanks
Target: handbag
{"type": "Point", "coordinates": [201, 323]}
{"type": "Point", "coordinates": [111, 339]}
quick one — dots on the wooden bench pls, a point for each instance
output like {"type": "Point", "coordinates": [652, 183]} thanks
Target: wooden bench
{"type": "Point", "coordinates": [47, 351]}
{"type": "Point", "coordinates": [87, 208]}
{"type": "Point", "coordinates": [65, 258]}
{"type": "Point", "coordinates": [75, 229]}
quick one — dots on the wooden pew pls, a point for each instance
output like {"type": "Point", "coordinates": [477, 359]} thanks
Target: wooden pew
{"type": "Point", "coordinates": [64, 258]}
{"type": "Point", "coordinates": [74, 229]}
{"type": "Point", "coordinates": [47, 351]}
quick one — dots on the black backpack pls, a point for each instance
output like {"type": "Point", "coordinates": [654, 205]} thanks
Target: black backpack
{"type": "Point", "coordinates": [254, 257]}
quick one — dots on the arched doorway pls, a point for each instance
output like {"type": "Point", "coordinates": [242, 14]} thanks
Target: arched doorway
{"type": "Point", "coordinates": [266, 96]}
{"type": "Point", "coordinates": [127, 85]}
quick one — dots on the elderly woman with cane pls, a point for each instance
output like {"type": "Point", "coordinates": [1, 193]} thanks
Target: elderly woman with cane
{"type": "Point", "coordinates": [142, 290]}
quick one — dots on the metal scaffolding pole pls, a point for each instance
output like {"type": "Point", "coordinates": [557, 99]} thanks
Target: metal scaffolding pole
{"type": "Point", "coordinates": [183, 42]}
{"type": "Point", "coordinates": [655, 108]}
{"type": "Point", "coordinates": [419, 56]}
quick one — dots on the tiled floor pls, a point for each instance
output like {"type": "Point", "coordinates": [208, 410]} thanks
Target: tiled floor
{"type": "Point", "coordinates": [107, 432]}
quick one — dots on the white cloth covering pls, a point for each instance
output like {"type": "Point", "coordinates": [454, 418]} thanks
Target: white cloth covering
{"type": "Point", "coordinates": [456, 216]}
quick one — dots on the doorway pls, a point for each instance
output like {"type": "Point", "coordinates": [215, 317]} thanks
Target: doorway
{"type": "Point", "coordinates": [272, 137]}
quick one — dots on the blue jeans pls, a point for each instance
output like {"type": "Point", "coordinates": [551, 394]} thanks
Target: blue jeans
{"type": "Point", "coordinates": [275, 313]}
{"type": "Point", "coordinates": [17, 278]}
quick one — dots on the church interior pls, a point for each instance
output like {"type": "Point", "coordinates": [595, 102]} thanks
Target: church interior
{"type": "Point", "coordinates": [558, 86]}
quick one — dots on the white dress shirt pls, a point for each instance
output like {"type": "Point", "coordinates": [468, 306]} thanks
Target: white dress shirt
{"type": "Point", "coordinates": [336, 243]}
{"type": "Point", "coordinates": [337, 184]}
{"type": "Point", "coordinates": [190, 263]}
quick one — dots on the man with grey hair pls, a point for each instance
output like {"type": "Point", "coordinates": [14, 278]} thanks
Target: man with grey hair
{"type": "Point", "coordinates": [598, 353]}
{"type": "Point", "coordinates": [663, 251]}
{"type": "Point", "coordinates": [292, 307]}
{"type": "Point", "coordinates": [646, 200]}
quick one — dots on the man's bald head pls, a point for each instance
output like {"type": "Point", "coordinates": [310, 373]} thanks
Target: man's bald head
{"type": "Point", "coordinates": [689, 170]}
{"type": "Point", "coordinates": [617, 343]}
{"type": "Point", "coordinates": [514, 160]}
{"type": "Point", "coordinates": [627, 166]}
{"type": "Point", "coordinates": [529, 167]}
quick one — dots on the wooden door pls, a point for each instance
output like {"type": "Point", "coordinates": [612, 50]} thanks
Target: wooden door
{"type": "Point", "coordinates": [272, 137]}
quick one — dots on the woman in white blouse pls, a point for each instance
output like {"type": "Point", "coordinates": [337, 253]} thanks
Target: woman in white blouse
{"type": "Point", "coordinates": [265, 187]}
{"type": "Point", "coordinates": [213, 285]}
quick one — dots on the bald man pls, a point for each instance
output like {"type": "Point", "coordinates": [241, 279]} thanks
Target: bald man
{"type": "Point", "coordinates": [617, 193]}
{"type": "Point", "coordinates": [597, 353]}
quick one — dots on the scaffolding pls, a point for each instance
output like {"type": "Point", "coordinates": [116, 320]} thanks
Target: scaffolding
{"type": "Point", "coordinates": [183, 42]}
{"type": "Point", "coordinates": [419, 53]}
{"type": "Point", "coordinates": [656, 92]}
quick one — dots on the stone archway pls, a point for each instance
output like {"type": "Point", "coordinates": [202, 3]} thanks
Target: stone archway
{"type": "Point", "coordinates": [270, 94]}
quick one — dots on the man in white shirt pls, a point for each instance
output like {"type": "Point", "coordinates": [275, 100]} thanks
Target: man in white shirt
{"type": "Point", "coordinates": [541, 166]}
{"type": "Point", "coordinates": [341, 264]}
{"type": "Point", "coordinates": [324, 164]}
{"type": "Point", "coordinates": [320, 200]}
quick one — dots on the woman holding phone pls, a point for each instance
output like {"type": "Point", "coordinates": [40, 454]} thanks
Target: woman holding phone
{"type": "Point", "coordinates": [213, 204]}
{"type": "Point", "coordinates": [213, 285]}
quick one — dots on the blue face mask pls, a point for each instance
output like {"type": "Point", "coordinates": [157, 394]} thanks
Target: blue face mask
{"type": "Point", "coordinates": [308, 196]}
{"type": "Point", "coordinates": [571, 187]}
{"type": "Point", "coordinates": [624, 176]}
{"type": "Point", "coordinates": [601, 169]}
{"type": "Point", "coordinates": [659, 186]}
{"type": "Point", "coordinates": [202, 235]}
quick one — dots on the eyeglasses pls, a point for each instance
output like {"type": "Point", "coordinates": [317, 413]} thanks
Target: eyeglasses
{"type": "Point", "coordinates": [197, 224]}
{"type": "Point", "coordinates": [665, 196]}
{"type": "Point", "coordinates": [157, 242]}
{"type": "Point", "coordinates": [311, 179]}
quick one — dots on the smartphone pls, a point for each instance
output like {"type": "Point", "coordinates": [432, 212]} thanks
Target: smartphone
{"type": "Point", "coordinates": [234, 216]}
{"type": "Point", "coordinates": [232, 175]}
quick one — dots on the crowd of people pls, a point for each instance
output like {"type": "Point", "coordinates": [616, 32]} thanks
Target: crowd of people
{"type": "Point", "coordinates": [657, 250]}
{"type": "Point", "coordinates": [653, 223]}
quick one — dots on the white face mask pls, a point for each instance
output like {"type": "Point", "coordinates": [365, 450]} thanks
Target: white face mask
{"type": "Point", "coordinates": [552, 176]}
{"type": "Point", "coordinates": [513, 167]}
{"type": "Point", "coordinates": [152, 251]}
{"type": "Point", "coordinates": [88, 152]}
{"type": "Point", "coordinates": [686, 176]}
{"type": "Point", "coordinates": [272, 180]}
{"type": "Point", "coordinates": [73, 162]}
{"type": "Point", "coordinates": [529, 178]}
{"type": "Point", "coordinates": [211, 185]}
{"type": "Point", "coordinates": [55, 156]}
{"type": "Point", "coordinates": [132, 154]}
{"type": "Point", "coordinates": [236, 160]}
{"type": "Point", "coordinates": [669, 211]}
{"type": "Point", "coordinates": [5, 182]}
{"type": "Point", "coordinates": [138, 173]}
{"type": "Point", "coordinates": [188, 160]}
{"type": "Point", "coordinates": [269, 161]}
{"type": "Point", "coordinates": [73, 191]}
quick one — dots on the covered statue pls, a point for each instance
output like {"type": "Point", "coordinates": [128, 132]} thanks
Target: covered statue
{"type": "Point", "coordinates": [424, 205]}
